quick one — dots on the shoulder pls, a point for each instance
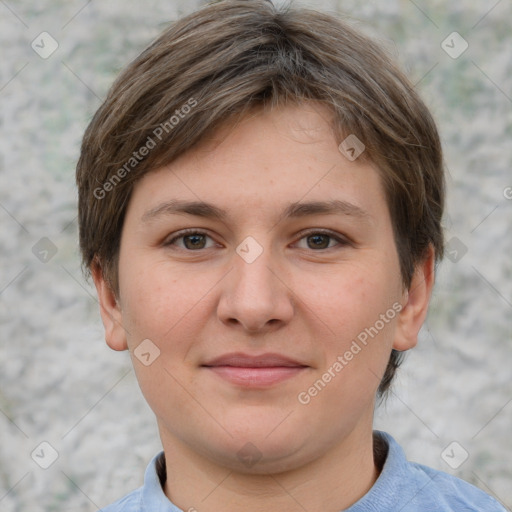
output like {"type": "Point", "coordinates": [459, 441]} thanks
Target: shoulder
{"type": "Point", "coordinates": [132, 502]}
{"type": "Point", "coordinates": [452, 493]}
{"type": "Point", "coordinates": [413, 487]}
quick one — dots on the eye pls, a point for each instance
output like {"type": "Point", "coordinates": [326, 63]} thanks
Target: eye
{"type": "Point", "coordinates": [322, 240]}
{"type": "Point", "coordinates": [192, 239]}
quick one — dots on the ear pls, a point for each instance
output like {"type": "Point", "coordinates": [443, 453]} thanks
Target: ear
{"type": "Point", "coordinates": [415, 304]}
{"type": "Point", "coordinates": [110, 311]}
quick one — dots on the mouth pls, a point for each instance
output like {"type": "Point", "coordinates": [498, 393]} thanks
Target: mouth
{"type": "Point", "coordinates": [254, 371]}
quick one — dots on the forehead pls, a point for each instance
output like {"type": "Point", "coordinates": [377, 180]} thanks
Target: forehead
{"type": "Point", "coordinates": [268, 158]}
{"type": "Point", "coordinates": [307, 122]}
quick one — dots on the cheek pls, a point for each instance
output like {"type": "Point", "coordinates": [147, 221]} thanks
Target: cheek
{"type": "Point", "coordinates": [355, 348]}
{"type": "Point", "coordinates": [158, 299]}
{"type": "Point", "coordinates": [354, 313]}
{"type": "Point", "coordinates": [169, 311]}
{"type": "Point", "coordinates": [347, 300]}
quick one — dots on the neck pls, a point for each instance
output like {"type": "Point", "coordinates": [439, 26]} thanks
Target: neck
{"type": "Point", "coordinates": [332, 482]}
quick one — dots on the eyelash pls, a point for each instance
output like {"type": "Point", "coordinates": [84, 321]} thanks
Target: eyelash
{"type": "Point", "coordinates": [182, 234]}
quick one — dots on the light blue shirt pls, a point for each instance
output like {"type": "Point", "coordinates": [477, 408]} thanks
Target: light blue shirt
{"type": "Point", "coordinates": [402, 486]}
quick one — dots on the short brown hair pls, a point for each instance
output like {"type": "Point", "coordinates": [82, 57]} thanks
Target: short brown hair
{"type": "Point", "coordinates": [232, 56]}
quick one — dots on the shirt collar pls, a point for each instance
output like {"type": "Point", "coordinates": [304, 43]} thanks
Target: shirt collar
{"type": "Point", "coordinates": [394, 484]}
{"type": "Point", "coordinates": [153, 496]}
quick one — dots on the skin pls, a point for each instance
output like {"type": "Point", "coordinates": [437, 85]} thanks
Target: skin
{"type": "Point", "coordinates": [304, 297]}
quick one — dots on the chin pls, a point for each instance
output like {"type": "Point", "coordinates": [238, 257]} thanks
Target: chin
{"type": "Point", "coordinates": [260, 458]}
{"type": "Point", "coordinates": [260, 450]}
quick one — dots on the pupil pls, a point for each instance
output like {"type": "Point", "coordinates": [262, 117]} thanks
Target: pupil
{"type": "Point", "coordinates": [317, 237]}
{"type": "Point", "coordinates": [194, 239]}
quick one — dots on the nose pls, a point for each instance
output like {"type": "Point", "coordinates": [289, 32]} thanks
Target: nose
{"type": "Point", "coordinates": [255, 296]}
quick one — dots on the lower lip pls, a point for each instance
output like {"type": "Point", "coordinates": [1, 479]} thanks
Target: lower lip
{"type": "Point", "coordinates": [256, 377]}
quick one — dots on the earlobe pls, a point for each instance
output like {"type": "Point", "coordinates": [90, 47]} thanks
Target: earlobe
{"type": "Point", "coordinates": [415, 304]}
{"type": "Point", "coordinates": [111, 314]}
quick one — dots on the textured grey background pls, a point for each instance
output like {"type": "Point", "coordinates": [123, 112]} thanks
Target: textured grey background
{"type": "Point", "coordinates": [60, 383]}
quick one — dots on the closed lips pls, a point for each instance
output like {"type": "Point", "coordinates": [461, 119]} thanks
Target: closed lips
{"type": "Point", "coordinates": [247, 361]}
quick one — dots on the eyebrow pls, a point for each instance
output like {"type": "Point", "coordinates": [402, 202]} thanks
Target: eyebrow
{"type": "Point", "coordinates": [293, 210]}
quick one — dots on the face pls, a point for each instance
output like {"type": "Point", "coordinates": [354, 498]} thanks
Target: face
{"type": "Point", "coordinates": [272, 303]}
